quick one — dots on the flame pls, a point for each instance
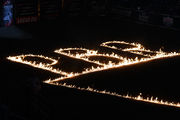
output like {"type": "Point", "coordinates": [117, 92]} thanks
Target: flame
{"type": "Point", "coordinates": [85, 56]}
{"type": "Point", "coordinates": [136, 49]}
{"type": "Point", "coordinates": [151, 99]}
{"type": "Point", "coordinates": [20, 59]}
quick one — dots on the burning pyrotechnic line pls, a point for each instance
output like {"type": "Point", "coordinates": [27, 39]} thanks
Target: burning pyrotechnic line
{"type": "Point", "coordinates": [48, 67]}
{"type": "Point", "coordinates": [135, 49]}
{"type": "Point", "coordinates": [85, 54]}
{"type": "Point", "coordinates": [153, 100]}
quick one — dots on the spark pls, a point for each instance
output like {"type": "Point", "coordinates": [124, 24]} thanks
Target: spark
{"type": "Point", "coordinates": [135, 48]}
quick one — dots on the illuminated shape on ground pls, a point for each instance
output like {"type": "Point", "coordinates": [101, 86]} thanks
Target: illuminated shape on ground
{"type": "Point", "coordinates": [84, 56]}
{"type": "Point", "coordinates": [136, 49]}
{"type": "Point", "coordinates": [48, 67]}
{"type": "Point", "coordinates": [88, 53]}
{"type": "Point", "coordinates": [152, 99]}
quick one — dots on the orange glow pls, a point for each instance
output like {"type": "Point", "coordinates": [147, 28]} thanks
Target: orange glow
{"type": "Point", "coordinates": [136, 49]}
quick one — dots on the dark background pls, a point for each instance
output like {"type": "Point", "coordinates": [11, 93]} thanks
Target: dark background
{"type": "Point", "coordinates": [157, 78]}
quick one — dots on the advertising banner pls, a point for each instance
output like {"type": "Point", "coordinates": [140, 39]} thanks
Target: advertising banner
{"type": "Point", "coordinates": [50, 9]}
{"type": "Point", "coordinates": [168, 21]}
{"type": "Point", "coordinates": [73, 7]}
{"type": "Point", "coordinates": [26, 11]}
{"type": "Point", "coordinates": [98, 7]}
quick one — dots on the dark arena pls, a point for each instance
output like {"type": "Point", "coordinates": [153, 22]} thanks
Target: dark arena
{"type": "Point", "coordinates": [89, 59]}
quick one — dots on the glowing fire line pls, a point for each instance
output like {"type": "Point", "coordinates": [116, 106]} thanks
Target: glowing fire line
{"type": "Point", "coordinates": [152, 99]}
{"type": "Point", "coordinates": [136, 49]}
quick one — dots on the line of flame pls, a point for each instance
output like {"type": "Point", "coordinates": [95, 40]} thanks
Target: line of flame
{"type": "Point", "coordinates": [102, 66]}
{"type": "Point", "coordinates": [136, 49]}
{"type": "Point", "coordinates": [48, 67]}
{"type": "Point", "coordinates": [152, 99]}
{"type": "Point", "coordinates": [110, 65]}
